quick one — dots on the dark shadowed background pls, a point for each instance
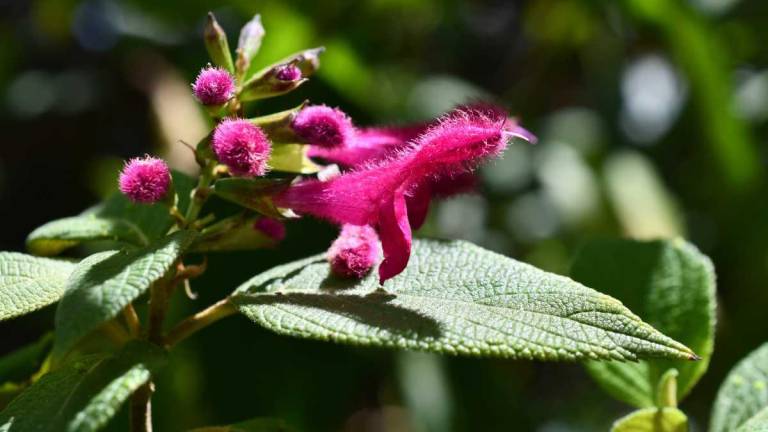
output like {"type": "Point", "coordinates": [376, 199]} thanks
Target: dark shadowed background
{"type": "Point", "coordinates": [651, 116]}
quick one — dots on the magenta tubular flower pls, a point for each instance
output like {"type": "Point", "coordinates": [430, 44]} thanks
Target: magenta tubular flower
{"type": "Point", "coordinates": [271, 228]}
{"type": "Point", "coordinates": [323, 126]}
{"type": "Point", "coordinates": [242, 147]}
{"type": "Point", "coordinates": [213, 86]}
{"type": "Point", "coordinates": [369, 145]}
{"type": "Point", "coordinates": [393, 194]}
{"type": "Point", "coordinates": [145, 180]}
{"type": "Point", "coordinates": [354, 253]}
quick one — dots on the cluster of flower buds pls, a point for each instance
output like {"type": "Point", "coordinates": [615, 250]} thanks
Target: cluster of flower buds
{"type": "Point", "coordinates": [385, 177]}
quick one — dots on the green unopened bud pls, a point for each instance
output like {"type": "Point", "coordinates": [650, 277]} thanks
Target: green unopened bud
{"type": "Point", "coordinates": [217, 45]}
{"type": "Point", "coordinates": [275, 81]}
{"type": "Point", "coordinates": [249, 43]}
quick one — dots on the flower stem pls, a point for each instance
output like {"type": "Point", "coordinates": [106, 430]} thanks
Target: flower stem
{"type": "Point", "coordinates": [198, 321]}
{"type": "Point", "coordinates": [200, 193]}
{"type": "Point", "coordinates": [132, 319]}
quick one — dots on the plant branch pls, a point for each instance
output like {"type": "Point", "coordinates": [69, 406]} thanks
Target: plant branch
{"type": "Point", "coordinates": [200, 193]}
{"type": "Point", "coordinates": [199, 321]}
{"type": "Point", "coordinates": [141, 408]}
{"type": "Point", "coordinates": [132, 319]}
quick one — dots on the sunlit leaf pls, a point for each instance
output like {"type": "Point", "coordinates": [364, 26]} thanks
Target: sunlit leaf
{"type": "Point", "coordinates": [29, 283]}
{"type": "Point", "coordinates": [743, 394]}
{"type": "Point", "coordinates": [453, 298]}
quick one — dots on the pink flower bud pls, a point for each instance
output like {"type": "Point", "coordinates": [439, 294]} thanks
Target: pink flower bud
{"type": "Point", "coordinates": [355, 252]}
{"type": "Point", "coordinates": [271, 228]}
{"type": "Point", "coordinates": [213, 86]}
{"type": "Point", "coordinates": [323, 126]}
{"type": "Point", "coordinates": [288, 72]}
{"type": "Point", "coordinates": [145, 180]}
{"type": "Point", "coordinates": [242, 147]}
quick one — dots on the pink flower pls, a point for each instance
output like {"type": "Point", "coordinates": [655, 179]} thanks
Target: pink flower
{"type": "Point", "coordinates": [288, 72]}
{"type": "Point", "coordinates": [272, 228]}
{"type": "Point", "coordinates": [323, 126]}
{"type": "Point", "coordinates": [145, 180]}
{"type": "Point", "coordinates": [213, 86]}
{"type": "Point", "coordinates": [369, 145]}
{"type": "Point", "coordinates": [242, 147]}
{"type": "Point", "coordinates": [354, 252]}
{"type": "Point", "coordinates": [393, 194]}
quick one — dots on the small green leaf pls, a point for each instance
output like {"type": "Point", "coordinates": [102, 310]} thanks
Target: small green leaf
{"type": "Point", "coordinates": [758, 423]}
{"type": "Point", "coordinates": [453, 298]}
{"type": "Point", "coordinates": [104, 283]}
{"type": "Point", "coordinates": [84, 395]}
{"type": "Point", "coordinates": [21, 364]}
{"type": "Point", "coordinates": [743, 393]}
{"type": "Point", "coordinates": [252, 193]}
{"type": "Point", "coordinates": [666, 392]}
{"type": "Point", "coordinates": [254, 425]}
{"type": "Point", "coordinates": [672, 286]}
{"type": "Point", "coordinates": [116, 219]}
{"type": "Point", "coordinates": [57, 236]}
{"type": "Point", "coordinates": [652, 420]}
{"type": "Point", "coordinates": [292, 158]}
{"type": "Point", "coordinates": [231, 234]}
{"type": "Point", "coordinates": [278, 125]}
{"type": "Point", "coordinates": [29, 283]}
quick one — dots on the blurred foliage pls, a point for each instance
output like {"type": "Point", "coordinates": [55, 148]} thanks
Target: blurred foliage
{"type": "Point", "coordinates": [651, 116]}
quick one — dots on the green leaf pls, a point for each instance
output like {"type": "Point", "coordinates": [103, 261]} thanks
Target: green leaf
{"type": "Point", "coordinates": [231, 234]}
{"type": "Point", "coordinates": [292, 158]}
{"type": "Point", "coordinates": [116, 219]}
{"type": "Point", "coordinates": [453, 298]}
{"type": "Point", "coordinates": [758, 423]}
{"type": "Point", "coordinates": [252, 193]}
{"type": "Point", "coordinates": [653, 420]}
{"type": "Point", "coordinates": [62, 234]}
{"type": "Point", "coordinates": [666, 392]}
{"type": "Point", "coordinates": [743, 393]}
{"type": "Point", "coordinates": [83, 395]}
{"type": "Point", "coordinates": [254, 425]}
{"type": "Point", "coordinates": [672, 286]}
{"type": "Point", "coordinates": [104, 283]}
{"type": "Point", "coordinates": [29, 283]}
{"type": "Point", "coordinates": [22, 363]}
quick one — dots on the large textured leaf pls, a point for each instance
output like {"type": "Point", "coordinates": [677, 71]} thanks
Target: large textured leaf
{"type": "Point", "coordinates": [104, 283]}
{"type": "Point", "coordinates": [453, 298]}
{"type": "Point", "coordinates": [116, 219]}
{"type": "Point", "coordinates": [29, 283]}
{"type": "Point", "coordinates": [84, 395]}
{"type": "Point", "coordinates": [253, 425]}
{"type": "Point", "coordinates": [743, 393]}
{"type": "Point", "coordinates": [59, 235]}
{"type": "Point", "coordinates": [653, 420]}
{"type": "Point", "coordinates": [672, 286]}
{"type": "Point", "coordinates": [758, 423]}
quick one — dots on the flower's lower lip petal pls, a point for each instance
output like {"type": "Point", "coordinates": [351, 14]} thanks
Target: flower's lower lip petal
{"type": "Point", "coordinates": [395, 235]}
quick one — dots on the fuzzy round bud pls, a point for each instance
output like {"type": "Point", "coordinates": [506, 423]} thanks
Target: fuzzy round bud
{"type": "Point", "coordinates": [323, 126]}
{"type": "Point", "coordinates": [271, 228]}
{"type": "Point", "coordinates": [242, 147]}
{"type": "Point", "coordinates": [213, 86]}
{"type": "Point", "coordinates": [145, 180]}
{"type": "Point", "coordinates": [288, 72]}
{"type": "Point", "coordinates": [355, 252]}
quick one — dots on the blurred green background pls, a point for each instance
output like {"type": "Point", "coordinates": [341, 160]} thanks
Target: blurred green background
{"type": "Point", "coordinates": [651, 116]}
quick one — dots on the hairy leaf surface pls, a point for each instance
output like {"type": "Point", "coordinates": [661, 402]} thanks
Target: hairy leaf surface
{"type": "Point", "coordinates": [743, 394]}
{"type": "Point", "coordinates": [453, 298]}
{"type": "Point", "coordinates": [29, 283]}
{"type": "Point", "coordinates": [672, 286]}
{"type": "Point", "coordinates": [83, 395]}
{"type": "Point", "coordinates": [104, 283]}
